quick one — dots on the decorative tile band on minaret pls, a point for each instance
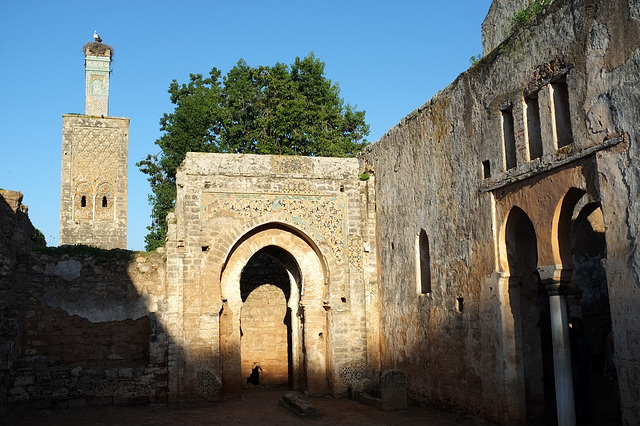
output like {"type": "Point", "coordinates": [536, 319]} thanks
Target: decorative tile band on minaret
{"type": "Point", "coordinates": [97, 65]}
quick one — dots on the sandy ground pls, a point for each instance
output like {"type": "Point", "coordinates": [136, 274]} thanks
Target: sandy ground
{"type": "Point", "coordinates": [257, 406]}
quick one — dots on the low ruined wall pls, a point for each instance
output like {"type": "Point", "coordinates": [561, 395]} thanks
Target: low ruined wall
{"type": "Point", "coordinates": [79, 326]}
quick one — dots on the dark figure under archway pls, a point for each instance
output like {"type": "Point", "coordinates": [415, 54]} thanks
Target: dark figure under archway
{"type": "Point", "coordinates": [254, 378]}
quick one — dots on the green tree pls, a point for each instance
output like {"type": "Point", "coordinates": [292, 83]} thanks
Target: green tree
{"type": "Point", "coordinates": [283, 110]}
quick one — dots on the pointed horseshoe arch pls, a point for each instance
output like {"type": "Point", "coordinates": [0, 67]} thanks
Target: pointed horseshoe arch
{"type": "Point", "coordinates": [307, 272]}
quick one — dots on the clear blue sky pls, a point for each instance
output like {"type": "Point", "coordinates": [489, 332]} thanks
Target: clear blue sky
{"type": "Point", "coordinates": [389, 57]}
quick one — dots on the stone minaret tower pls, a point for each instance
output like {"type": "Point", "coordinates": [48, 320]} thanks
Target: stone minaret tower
{"type": "Point", "coordinates": [93, 204]}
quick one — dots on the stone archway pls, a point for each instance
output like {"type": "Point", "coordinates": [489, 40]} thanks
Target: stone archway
{"type": "Point", "coordinates": [270, 291]}
{"type": "Point", "coordinates": [305, 267]}
{"type": "Point", "coordinates": [530, 342]}
{"type": "Point", "coordinates": [582, 246]}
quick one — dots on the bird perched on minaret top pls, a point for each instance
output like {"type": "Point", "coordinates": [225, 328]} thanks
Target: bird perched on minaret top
{"type": "Point", "coordinates": [96, 37]}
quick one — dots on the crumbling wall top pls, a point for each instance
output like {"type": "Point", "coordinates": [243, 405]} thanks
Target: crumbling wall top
{"type": "Point", "coordinates": [497, 22]}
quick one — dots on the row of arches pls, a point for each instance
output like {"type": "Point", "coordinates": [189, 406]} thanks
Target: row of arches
{"type": "Point", "coordinates": [557, 310]}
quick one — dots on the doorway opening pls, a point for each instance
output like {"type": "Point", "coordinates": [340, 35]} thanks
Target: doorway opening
{"type": "Point", "coordinates": [592, 353]}
{"type": "Point", "coordinates": [531, 320]}
{"type": "Point", "coordinates": [270, 292]}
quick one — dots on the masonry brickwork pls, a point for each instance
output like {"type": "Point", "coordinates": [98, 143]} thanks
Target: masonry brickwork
{"type": "Point", "coordinates": [97, 64]}
{"type": "Point", "coordinates": [312, 215]}
{"type": "Point", "coordinates": [93, 190]}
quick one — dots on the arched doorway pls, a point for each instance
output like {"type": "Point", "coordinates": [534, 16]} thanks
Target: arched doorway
{"type": "Point", "coordinates": [529, 305]}
{"type": "Point", "coordinates": [594, 376]}
{"type": "Point", "coordinates": [270, 293]}
{"type": "Point", "coordinates": [274, 282]}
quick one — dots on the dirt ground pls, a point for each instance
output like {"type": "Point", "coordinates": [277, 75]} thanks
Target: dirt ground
{"type": "Point", "coordinates": [257, 406]}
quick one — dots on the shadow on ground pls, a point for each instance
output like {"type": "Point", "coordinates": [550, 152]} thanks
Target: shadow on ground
{"type": "Point", "coordinates": [257, 406]}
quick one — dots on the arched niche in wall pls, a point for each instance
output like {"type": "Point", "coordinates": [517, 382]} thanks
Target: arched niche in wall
{"type": "Point", "coordinates": [104, 201]}
{"type": "Point", "coordinates": [83, 202]}
{"type": "Point", "coordinates": [423, 263]}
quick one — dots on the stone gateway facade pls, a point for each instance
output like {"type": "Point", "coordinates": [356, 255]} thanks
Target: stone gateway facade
{"type": "Point", "coordinates": [309, 322]}
{"type": "Point", "coordinates": [478, 257]}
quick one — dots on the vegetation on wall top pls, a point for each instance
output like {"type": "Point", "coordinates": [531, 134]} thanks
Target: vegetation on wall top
{"type": "Point", "coordinates": [524, 16]}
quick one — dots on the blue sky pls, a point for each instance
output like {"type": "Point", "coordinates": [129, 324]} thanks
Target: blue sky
{"type": "Point", "coordinates": [389, 57]}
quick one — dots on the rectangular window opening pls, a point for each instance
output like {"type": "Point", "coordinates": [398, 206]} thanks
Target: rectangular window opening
{"type": "Point", "coordinates": [508, 138]}
{"type": "Point", "coordinates": [533, 128]}
{"type": "Point", "coordinates": [486, 169]}
{"type": "Point", "coordinates": [423, 263]}
{"type": "Point", "coordinates": [561, 109]}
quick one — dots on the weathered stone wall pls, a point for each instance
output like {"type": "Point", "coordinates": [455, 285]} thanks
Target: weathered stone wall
{"type": "Point", "coordinates": [93, 189]}
{"type": "Point", "coordinates": [17, 235]}
{"type": "Point", "coordinates": [498, 23]}
{"type": "Point", "coordinates": [450, 174]}
{"type": "Point", "coordinates": [265, 336]}
{"type": "Point", "coordinates": [80, 326]}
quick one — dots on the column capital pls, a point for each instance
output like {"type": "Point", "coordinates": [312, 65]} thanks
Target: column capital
{"type": "Point", "coordinates": [555, 274]}
{"type": "Point", "coordinates": [556, 289]}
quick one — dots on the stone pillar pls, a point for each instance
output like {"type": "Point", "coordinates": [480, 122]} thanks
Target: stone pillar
{"type": "Point", "coordinates": [230, 355]}
{"type": "Point", "coordinates": [315, 347]}
{"type": "Point", "coordinates": [557, 290]}
{"type": "Point", "coordinates": [514, 402]}
{"type": "Point", "coordinates": [547, 121]}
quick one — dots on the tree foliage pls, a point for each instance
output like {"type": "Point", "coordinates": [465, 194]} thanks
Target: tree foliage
{"type": "Point", "coordinates": [280, 110]}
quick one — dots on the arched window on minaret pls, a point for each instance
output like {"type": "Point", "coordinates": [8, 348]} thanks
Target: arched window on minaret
{"type": "Point", "coordinates": [83, 202]}
{"type": "Point", "coordinates": [104, 201]}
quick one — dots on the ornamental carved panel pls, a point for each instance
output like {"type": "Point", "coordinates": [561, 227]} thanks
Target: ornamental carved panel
{"type": "Point", "coordinates": [323, 217]}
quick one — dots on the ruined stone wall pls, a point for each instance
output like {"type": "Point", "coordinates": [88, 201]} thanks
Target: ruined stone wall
{"type": "Point", "coordinates": [93, 189]}
{"type": "Point", "coordinates": [81, 326]}
{"type": "Point", "coordinates": [498, 23]}
{"type": "Point", "coordinates": [449, 170]}
{"type": "Point", "coordinates": [18, 236]}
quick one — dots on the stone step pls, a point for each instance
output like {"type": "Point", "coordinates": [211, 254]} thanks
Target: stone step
{"type": "Point", "coordinates": [297, 405]}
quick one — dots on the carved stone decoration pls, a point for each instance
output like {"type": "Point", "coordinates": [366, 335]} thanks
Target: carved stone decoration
{"type": "Point", "coordinates": [322, 216]}
{"type": "Point", "coordinates": [208, 385]}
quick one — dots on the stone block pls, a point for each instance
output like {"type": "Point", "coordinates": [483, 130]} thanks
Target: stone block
{"type": "Point", "coordinates": [297, 405]}
{"type": "Point", "coordinates": [393, 390]}
{"type": "Point", "coordinates": [17, 394]}
{"type": "Point", "coordinates": [6, 349]}
{"type": "Point", "coordinates": [24, 380]}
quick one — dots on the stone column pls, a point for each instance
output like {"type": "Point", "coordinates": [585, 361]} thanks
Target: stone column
{"type": "Point", "coordinates": [557, 289]}
{"type": "Point", "coordinates": [514, 403]}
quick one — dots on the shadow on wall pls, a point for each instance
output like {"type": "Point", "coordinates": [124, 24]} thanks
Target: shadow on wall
{"type": "Point", "coordinates": [80, 326]}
